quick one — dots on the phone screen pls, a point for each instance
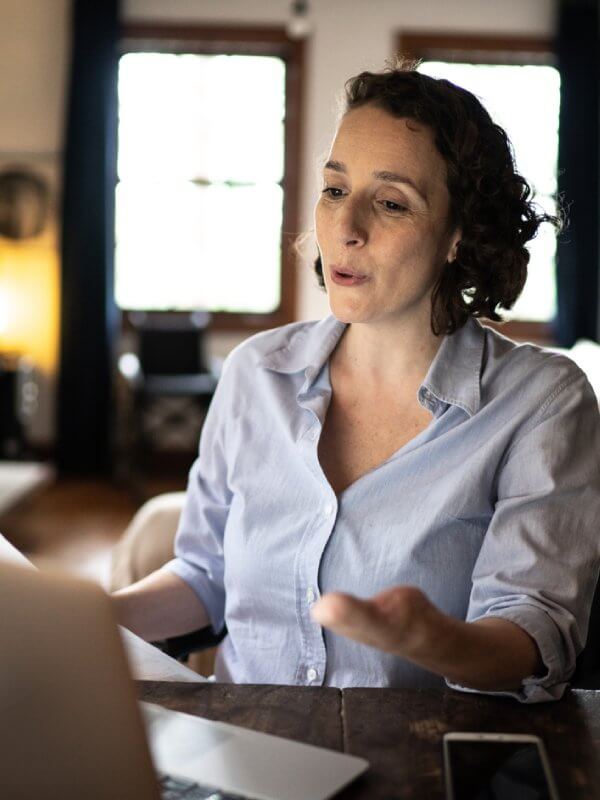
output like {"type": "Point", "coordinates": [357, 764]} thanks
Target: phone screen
{"type": "Point", "coordinates": [497, 771]}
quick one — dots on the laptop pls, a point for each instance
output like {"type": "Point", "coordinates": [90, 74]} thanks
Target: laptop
{"type": "Point", "coordinates": [71, 727]}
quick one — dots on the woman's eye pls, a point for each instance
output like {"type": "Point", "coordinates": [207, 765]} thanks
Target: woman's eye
{"type": "Point", "coordinates": [332, 192]}
{"type": "Point", "coordinates": [390, 205]}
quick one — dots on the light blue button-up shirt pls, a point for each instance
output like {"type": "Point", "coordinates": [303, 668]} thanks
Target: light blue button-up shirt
{"type": "Point", "coordinates": [492, 510]}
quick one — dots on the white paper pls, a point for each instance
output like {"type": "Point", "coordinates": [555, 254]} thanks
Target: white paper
{"type": "Point", "coordinates": [146, 662]}
{"type": "Point", "coordinates": [9, 552]}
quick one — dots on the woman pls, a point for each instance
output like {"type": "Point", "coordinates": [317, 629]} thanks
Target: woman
{"type": "Point", "coordinates": [396, 495]}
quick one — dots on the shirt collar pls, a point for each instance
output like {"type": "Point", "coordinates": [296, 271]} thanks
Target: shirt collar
{"type": "Point", "coordinates": [453, 377]}
{"type": "Point", "coordinates": [308, 349]}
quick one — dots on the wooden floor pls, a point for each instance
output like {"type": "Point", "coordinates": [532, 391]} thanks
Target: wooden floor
{"type": "Point", "coordinates": [74, 523]}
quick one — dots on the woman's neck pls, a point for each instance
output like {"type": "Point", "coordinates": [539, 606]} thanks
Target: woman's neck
{"type": "Point", "coordinates": [386, 355]}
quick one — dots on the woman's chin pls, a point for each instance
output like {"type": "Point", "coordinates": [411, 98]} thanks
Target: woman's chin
{"type": "Point", "coordinates": [344, 312]}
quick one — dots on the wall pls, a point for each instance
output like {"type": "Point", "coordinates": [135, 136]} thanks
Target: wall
{"type": "Point", "coordinates": [33, 69]}
{"type": "Point", "coordinates": [347, 37]}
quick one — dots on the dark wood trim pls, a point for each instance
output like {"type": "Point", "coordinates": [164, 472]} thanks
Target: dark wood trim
{"type": "Point", "coordinates": [235, 35]}
{"type": "Point", "coordinates": [272, 41]}
{"type": "Point", "coordinates": [479, 48]}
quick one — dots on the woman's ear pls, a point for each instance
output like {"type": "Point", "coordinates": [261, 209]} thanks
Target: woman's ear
{"type": "Point", "coordinates": [453, 249]}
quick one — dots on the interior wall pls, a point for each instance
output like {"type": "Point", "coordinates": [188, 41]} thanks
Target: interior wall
{"type": "Point", "coordinates": [34, 51]}
{"type": "Point", "coordinates": [348, 36]}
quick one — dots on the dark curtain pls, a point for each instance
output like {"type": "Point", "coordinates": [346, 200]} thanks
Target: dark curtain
{"type": "Point", "coordinates": [578, 50]}
{"type": "Point", "coordinates": [88, 316]}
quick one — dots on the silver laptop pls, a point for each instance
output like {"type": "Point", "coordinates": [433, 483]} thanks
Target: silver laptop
{"type": "Point", "coordinates": [70, 725]}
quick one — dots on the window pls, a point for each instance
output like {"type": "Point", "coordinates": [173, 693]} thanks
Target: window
{"type": "Point", "coordinates": [506, 74]}
{"type": "Point", "coordinates": [207, 166]}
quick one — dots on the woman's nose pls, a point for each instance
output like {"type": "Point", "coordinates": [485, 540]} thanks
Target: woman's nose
{"type": "Point", "coordinates": [352, 230]}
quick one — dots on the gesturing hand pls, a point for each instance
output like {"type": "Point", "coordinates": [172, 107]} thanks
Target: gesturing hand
{"type": "Point", "coordinates": [399, 620]}
{"type": "Point", "coordinates": [488, 654]}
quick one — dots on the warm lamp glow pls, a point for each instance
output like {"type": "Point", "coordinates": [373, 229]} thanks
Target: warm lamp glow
{"type": "Point", "coordinates": [29, 300]}
{"type": "Point", "coordinates": [4, 313]}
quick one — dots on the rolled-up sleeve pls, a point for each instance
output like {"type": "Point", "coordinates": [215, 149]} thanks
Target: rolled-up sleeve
{"type": "Point", "coordinates": [538, 565]}
{"type": "Point", "coordinates": [199, 539]}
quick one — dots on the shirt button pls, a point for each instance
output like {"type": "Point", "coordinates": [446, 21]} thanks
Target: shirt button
{"type": "Point", "coordinates": [311, 674]}
{"type": "Point", "coordinates": [328, 510]}
{"type": "Point", "coordinates": [314, 435]}
{"type": "Point", "coordinates": [310, 595]}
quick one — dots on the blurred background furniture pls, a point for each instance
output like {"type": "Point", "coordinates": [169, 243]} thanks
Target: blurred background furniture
{"type": "Point", "coordinates": [12, 440]}
{"type": "Point", "coordinates": [169, 385]}
{"type": "Point", "coordinates": [146, 545]}
{"type": "Point", "coordinates": [147, 542]}
{"type": "Point", "coordinates": [18, 404]}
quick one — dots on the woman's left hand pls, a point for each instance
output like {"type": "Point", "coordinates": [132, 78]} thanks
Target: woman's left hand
{"type": "Point", "coordinates": [488, 654]}
{"type": "Point", "coordinates": [401, 620]}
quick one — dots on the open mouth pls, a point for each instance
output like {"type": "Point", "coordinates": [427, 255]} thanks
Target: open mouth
{"type": "Point", "coordinates": [347, 278]}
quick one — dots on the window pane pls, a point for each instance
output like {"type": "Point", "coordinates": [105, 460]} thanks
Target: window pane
{"type": "Point", "coordinates": [219, 118]}
{"type": "Point", "coordinates": [200, 163]}
{"type": "Point", "coordinates": [182, 246]}
{"type": "Point", "coordinates": [506, 92]}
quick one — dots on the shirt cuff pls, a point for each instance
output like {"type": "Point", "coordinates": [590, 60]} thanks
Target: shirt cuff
{"type": "Point", "coordinates": [211, 596]}
{"type": "Point", "coordinates": [545, 633]}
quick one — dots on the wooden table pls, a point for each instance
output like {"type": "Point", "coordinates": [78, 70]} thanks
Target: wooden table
{"type": "Point", "coordinates": [400, 730]}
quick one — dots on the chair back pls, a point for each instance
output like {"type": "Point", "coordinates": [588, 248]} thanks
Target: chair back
{"type": "Point", "coordinates": [587, 671]}
{"type": "Point", "coordinates": [171, 344]}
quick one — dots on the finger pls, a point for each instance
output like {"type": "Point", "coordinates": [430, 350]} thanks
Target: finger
{"type": "Point", "coordinates": [350, 616]}
{"type": "Point", "coordinates": [402, 604]}
{"type": "Point", "coordinates": [395, 620]}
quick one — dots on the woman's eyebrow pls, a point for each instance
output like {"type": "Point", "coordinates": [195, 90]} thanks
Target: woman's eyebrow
{"type": "Point", "coordinates": [380, 175]}
{"type": "Point", "coordinates": [395, 177]}
{"type": "Point", "coordinates": [336, 166]}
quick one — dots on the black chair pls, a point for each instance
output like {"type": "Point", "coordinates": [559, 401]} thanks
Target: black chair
{"type": "Point", "coordinates": [181, 647]}
{"type": "Point", "coordinates": [587, 671]}
{"type": "Point", "coordinates": [170, 386]}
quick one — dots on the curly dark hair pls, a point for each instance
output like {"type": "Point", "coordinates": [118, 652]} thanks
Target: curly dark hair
{"type": "Point", "coordinates": [489, 201]}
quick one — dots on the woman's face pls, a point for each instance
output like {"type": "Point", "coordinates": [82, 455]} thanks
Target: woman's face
{"type": "Point", "coordinates": [383, 218]}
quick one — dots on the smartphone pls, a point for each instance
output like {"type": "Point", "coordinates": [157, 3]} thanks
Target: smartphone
{"type": "Point", "coordinates": [497, 766]}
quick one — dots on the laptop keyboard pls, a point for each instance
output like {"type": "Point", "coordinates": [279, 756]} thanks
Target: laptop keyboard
{"type": "Point", "coordinates": [181, 789]}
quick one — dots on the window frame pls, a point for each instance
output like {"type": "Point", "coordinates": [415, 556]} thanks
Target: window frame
{"type": "Point", "coordinates": [483, 49]}
{"type": "Point", "coordinates": [254, 41]}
